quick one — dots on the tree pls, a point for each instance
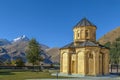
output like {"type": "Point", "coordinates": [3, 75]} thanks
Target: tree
{"type": "Point", "coordinates": [116, 48]}
{"type": "Point", "coordinates": [19, 62]}
{"type": "Point", "coordinates": [33, 52]}
{"type": "Point", "coordinates": [108, 45]}
{"type": "Point", "coordinates": [114, 52]}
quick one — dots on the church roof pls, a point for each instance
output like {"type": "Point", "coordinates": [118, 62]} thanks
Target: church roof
{"type": "Point", "coordinates": [83, 44]}
{"type": "Point", "coordinates": [84, 22]}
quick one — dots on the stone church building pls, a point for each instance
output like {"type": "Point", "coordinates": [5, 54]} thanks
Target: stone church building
{"type": "Point", "coordinates": [84, 56]}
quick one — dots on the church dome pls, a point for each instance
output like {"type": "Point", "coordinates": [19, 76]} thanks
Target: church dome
{"type": "Point", "coordinates": [84, 22]}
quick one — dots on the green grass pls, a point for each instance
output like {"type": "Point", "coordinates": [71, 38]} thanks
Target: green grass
{"type": "Point", "coordinates": [13, 75]}
{"type": "Point", "coordinates": [22, 75]}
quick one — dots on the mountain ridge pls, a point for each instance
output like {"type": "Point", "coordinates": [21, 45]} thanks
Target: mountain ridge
{"type": "Point", "coordinates": [17, 48]}
{"type": "Point", "coordinates": [110, 36]}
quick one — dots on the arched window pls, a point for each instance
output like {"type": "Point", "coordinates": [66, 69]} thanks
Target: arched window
{"type": "Point", "coordinates": [86, 33]}
{"type": "Point", "coordinates": [90, 55]}
{"type": "Point", "coordinates": [78, 33]}
{"type": "Point", "coordinates": [82, 34]}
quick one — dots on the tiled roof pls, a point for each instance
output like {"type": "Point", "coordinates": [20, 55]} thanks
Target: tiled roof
{"type": "Point", "coordinates": [84, 22]}
{"type": "Point", "coordinates": [83, 44]}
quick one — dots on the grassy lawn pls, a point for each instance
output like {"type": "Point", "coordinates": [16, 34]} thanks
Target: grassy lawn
{"type": "Point", "coordinates": [22, 75]}
{"type": "Point", "coordinates": [12, 75]}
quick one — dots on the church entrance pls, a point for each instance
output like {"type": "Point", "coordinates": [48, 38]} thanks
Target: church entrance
{"type": "Point", "coordinates": [90, 64]}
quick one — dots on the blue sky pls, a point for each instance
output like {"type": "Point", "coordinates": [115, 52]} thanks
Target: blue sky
{"type": "Point", "coordinates": [51, 21]}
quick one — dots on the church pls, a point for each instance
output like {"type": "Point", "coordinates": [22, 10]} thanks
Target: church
{"type": "Point", "coordinates": [84, 56]}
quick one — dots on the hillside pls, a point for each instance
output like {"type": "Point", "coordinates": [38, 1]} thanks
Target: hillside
{"type": "Point", "coordinates": [110, 36]}
{"type": "Point", "coordinates": [54, 53]}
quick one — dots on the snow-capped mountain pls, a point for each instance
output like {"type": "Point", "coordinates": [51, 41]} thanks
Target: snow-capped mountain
{"type": "Point", "coordinates": [24, 40]}
{"type": "Point", "coordinates": [21, 38]}
{"type": "Point", "coordinates": [11, 50]}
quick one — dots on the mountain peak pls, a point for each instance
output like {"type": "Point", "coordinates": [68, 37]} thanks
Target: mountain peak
{"type": "Point", "coordinates": [21, 38]}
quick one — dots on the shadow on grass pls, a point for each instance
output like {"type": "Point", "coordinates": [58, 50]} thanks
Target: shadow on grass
{"type": "Point", "coordinates": [6, 73]}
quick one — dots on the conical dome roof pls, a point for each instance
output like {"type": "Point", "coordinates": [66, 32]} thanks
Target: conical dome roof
{"type": "Point", "coordinates": [84, 22]}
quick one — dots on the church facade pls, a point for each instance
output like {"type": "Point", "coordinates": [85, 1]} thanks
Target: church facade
{"type": "Point", "coordinates": [84, 55]}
